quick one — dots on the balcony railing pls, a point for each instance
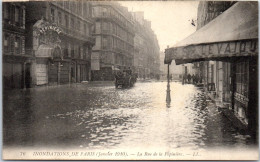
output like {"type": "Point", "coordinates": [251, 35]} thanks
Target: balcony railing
{"type": "Point", "coordinates": [18, 52]}
{"type": "Point", "coordinates": [29, 52]}
{"type": "Point", "coordinates": [118, 21]}
{"type": "Point", "coordinates": [78, 34]}
{"type": "Point", "coordinates": [106, 31]}
{"type": "Point", "coordinates": [123, 51]}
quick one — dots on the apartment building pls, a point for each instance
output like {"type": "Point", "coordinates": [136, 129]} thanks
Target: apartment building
{"type": "Point", "coordinates": [60, 35]}
{"type": "Point", "coordinates": [146, 48]}
{"type": "Point", "coordinates": [114, 47]}
{"type": "Point", "coordinates": [16, 60]}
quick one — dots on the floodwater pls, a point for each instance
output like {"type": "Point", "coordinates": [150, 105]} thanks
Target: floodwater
{"type": "Point", "coordinates": [96, 116]}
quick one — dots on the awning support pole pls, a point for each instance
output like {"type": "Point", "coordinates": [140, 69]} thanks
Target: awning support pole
{"type": "Point", "coordinates": [168, 91]}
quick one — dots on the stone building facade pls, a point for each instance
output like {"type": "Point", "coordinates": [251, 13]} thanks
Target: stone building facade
{"type": "Point", "coordinates": [59, 34]}
{"type": "Point", "coordinates": [146, 48]}
{"type": "Point", "coordinates": [114, 47]}
{"type": "Point", "coordinates": [16, 59]}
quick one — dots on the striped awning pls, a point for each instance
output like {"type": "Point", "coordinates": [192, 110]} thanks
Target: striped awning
{"type": "Point", "coordinates": [233, 33]}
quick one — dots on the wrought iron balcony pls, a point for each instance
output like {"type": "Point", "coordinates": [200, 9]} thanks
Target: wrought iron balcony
{"type": "Point", "coordinates": [78, 34]}
{"type": "Point", "coordinates": [130, 28]}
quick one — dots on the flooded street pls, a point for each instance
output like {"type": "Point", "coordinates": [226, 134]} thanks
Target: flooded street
{"type": "Point", "coordinates": [95, 117]}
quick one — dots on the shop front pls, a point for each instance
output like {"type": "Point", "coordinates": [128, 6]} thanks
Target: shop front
{"type": "Point", "coordinates": [228, 48]}
{"type": "Point", "coordinates": [80, 71]}
{"type": "Point", "coordinates": [58, 72]}
{"type": "Point", "coordinates": [50, 67]}
{"type": "Point", "coordinates": [17, 72]}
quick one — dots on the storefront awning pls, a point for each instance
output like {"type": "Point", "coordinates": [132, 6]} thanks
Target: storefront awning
{"type": "Point", "coordinates": [233, 33]}
{"type": "Point", "coordinates": [44, 51]}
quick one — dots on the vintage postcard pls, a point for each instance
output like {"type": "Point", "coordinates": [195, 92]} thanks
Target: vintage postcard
{"type": "Point", "coordinates": [130, 80]}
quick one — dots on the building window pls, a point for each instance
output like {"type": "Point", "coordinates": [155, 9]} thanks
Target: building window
{"type": "Point", "coordinates": [17, 14]}
{"type": "Point", "coordinates": [114, 28]}
{"type": "Point", "coordinates": [80, 53]}
{"type": "Point", "coordinates": [242, 78]}
{"type": "Point", "coordinates": [76, 52]}
{"type": "Point", "coordinates": [52, 15]}
{"type": "Point", "coordinates": [211, 72]}
{"type": "Point", "coordinates": [65, 50]}
{"type": "Point", "coordinates": [113, 42]}
{"type": "Point", "coordinates": [12, 13]}
{"type": "Point", "coordinates": [96, 11]}
{"type": "Point", "coordinates": [6, 42]}
{"type": "Point", "coordinates": [88, 53]}
{"type": "Point", "coordinates": [60, 3]}
{"type": "Point", "coordinates": [104, 11]}
{"type": "Point", "coordinates": [22, 18]}
{"type": "Point", "coordinates": [85, 29]}
{"type": "Point", "coordinates": [78, 26]}
{"type": "Point", "coordinates": [79, 8]}
{"type": "Point", "coordinates": [69, 49]}
{"type": "Point", "coordinates": [84, 52]}
{"type": "Point", "coordinates": [72, 51]}
{"type": "Point", "coordinates": [59, 18]}
{"type": "Point", "coordinates": [105, 42]}
{"type": "Point", "coordinates": [17, 45]}
{"type": "Point", "coordinates": [106, 27]}
{"type": "Point", "coordinates": [85, 9]}
{"type": "Point", "coordinates": [12, 44]}
{"type": "Point", "coordinates": [66, 21]}
{"type": "Point", "coordinates": [72, 23]}
{"type": "Point", "coordinates": [6, 11]}
{"type": "Point", "coordinates": [74, 6]}
{"type": "Point", "coordinates": [67, 4]}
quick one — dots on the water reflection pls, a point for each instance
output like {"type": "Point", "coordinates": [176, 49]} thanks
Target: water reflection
{"type": "Point", "coordinates": [97, 117]}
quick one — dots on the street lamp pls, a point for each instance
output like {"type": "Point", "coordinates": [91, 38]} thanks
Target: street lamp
{"type": "Point", "coordinates": [168, 91]}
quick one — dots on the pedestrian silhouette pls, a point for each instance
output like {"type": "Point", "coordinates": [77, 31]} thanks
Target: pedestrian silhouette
{"type": "Point", "coordinates": [189, 78]}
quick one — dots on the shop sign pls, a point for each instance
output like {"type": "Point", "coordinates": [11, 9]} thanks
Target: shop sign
{"type": "Point", "coordinates": [213, 50]}
{"type": "Point", "coordinates": [51, 27]}
{"type": "Point", "coordinates": [229, 48]}
{"type": "Point", "coordinates": [48, 33]}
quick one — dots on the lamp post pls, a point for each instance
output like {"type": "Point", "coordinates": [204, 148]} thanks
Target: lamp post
{"type": "Point", "coordinates": [168, 91]}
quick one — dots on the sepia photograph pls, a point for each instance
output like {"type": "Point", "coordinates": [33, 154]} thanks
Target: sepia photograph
{"type": "Point", "coordinates": [130, 80]}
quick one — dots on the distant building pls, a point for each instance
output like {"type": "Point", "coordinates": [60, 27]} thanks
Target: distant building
{"type": "Point", "coordinates": [163, 67]}
{"type": "Point", "coordinates": [114, 35]}
{"type": "Point", "coordinates": [16, 60]}
{"type": "Point", "coordinates": [146, 48]}
{"type": "Point", "coordinates": [176, 71]}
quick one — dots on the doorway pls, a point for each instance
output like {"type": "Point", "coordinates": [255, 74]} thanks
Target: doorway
{"type": "Point", "coordinates": [28, 76]}
{"type": "Point", "coordinates": [72, 74]}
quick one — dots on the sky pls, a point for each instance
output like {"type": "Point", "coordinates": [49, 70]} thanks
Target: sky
{"type": "Point", "coordinates": [170, 20]}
